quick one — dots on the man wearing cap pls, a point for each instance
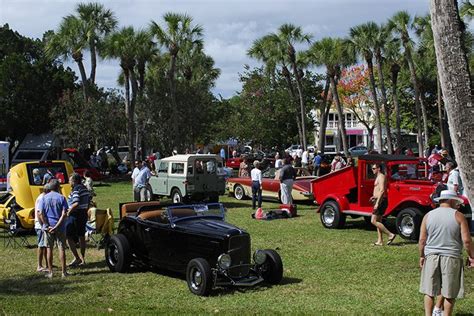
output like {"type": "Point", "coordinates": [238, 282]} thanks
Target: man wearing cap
{"type": "Point", "coordinates": [443, 233]}
{"type": "Point", "coordinates": [256, 175]}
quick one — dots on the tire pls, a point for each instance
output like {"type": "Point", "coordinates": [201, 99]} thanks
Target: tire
{"type": "Point", "coordinates": [118, 254]}
{"type": "Point", "coordinates": [409, 222]}
{"type": "Point", "coordinates": [199, 277]}
{"type": "Point", "coordinates": [239, 192]}
{"type": "Point", "coordinates": [331, 216]}
{"type": "Point", "coordinates": [214, 198]}
{"type": "Point", "coordinates": [272, 269]}
{"type": "Point", "coordinates": [176, 196]}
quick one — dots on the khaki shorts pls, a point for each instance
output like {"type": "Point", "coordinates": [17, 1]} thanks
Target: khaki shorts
{"type": "Point", "coordinates": [442, 275]}
{"type": "Point", "coordinates": [57, 237]}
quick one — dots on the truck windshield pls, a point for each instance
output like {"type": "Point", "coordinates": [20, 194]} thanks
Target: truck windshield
{"type": "Point", "coordinates": [408, 171]}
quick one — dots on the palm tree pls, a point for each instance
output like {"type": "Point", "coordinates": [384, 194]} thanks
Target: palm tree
{"type": "Point", "coordinates": [178, 32]}
{"type": "Point", "coordinates": [466, 11]}
{"type": "Point", "coordinates": [289, 35]}
{"type": "Point", "coordinates": [399, 24]}
{"type": "Point", "coordinates": [394, 59]}
{"type": "Point", "coordinates": [69, 42]}
{"type": "Point", "coordinates": [380, 41]}
{"type": "Point", "coordinates": [121, 45]}
{"type": "Point", "coordinates": [362, 41]}
{"type": "Point", "coordinates": [333, 53]}
{"type": "Point", "coordinates": [98, 23]}
{"type": "Point", "coordinates": [272, 52]}
{"type": "Point", "coordinates": [456, 85]}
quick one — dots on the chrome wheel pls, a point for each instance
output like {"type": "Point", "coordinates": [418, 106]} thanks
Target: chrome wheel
{"type": "Point", "coordinates": [177, 198]}
{"type": "Point", "coordinates": [196, 279]}
{"type": "Point", "coordinates": [113, 254]}
{"type": "Point", "coordinates": [239, 192]}
{"type": "Point", "coordinates": [407, 225]}
{"type": "Point", "coordinates": [329, 215]}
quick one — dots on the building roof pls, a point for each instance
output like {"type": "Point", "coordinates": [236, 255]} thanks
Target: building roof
{"type": "Point", "coordinates": [386, 157]}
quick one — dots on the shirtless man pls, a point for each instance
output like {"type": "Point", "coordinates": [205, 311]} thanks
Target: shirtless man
{"type": "Point", "coordinates": [380, 205]}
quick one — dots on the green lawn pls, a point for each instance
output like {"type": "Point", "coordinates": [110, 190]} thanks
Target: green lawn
{"type": "Point", "coordinates": [325, 271]}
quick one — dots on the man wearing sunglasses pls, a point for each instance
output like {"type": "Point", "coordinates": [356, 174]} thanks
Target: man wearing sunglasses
{"type": "Point", "coordinates": [379, 199]}
{"type": "Point", "coordinates": [444, 231]}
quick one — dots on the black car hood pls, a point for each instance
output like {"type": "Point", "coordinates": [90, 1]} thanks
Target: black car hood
{"type": "Point", "coordinates": [210, 226]}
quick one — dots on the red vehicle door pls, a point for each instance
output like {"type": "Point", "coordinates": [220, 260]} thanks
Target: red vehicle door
{"type": "Point", "coordinates": [367, 179]}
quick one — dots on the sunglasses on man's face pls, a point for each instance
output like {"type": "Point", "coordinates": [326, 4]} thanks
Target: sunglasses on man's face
{"type": "Point", "coordinates": [374, 168]}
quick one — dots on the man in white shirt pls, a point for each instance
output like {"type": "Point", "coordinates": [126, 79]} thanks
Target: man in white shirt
{"type": "Point", "coordinates": [136, 171]}
{"type": "Point", "coordinates": [256, 175]}
{"type": "Point", "coordinates": [304, 159]}
{"type": "Point", "coordinates": [454, 179]}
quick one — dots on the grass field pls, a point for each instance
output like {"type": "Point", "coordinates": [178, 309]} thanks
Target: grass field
{"type": "Point", "coordinates": [325, 272]}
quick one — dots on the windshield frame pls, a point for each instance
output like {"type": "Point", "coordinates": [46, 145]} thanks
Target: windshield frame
{"type": "Point", "coordinates": [200, 210]}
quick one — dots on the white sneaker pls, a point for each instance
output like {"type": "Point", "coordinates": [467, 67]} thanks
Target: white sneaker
{"type": "Point", "coordinates": [437, 312]}
{"type": "Point", "coordinates": [49, 275]}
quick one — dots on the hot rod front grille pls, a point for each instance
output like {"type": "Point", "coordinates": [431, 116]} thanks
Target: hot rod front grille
{"type": "Point", "coordinates": [239, 251]}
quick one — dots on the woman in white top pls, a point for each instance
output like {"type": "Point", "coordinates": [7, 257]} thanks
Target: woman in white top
{"type": "Point", "coordinates": [256, 175]}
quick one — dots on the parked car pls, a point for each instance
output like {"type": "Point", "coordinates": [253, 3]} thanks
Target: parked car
{"type": "Point", "coordinates": [242, 187]}
{"type": "Point", "coordinates": [348, 191]}
{"type": "Point", "coordinates": [193, 177]}
{"type": "Point", "coordinates": [191, 239]}
{"type": "Point", "coordinates": [293, 149]}
{"type": "Point", "coordinates": [80, 164]}
{"type": "Point", "coordinates": [330, 150]}
{"type": "Point", "coordinates": [17, 206]}
{"type": "Point", "coordinates": [358, 151]}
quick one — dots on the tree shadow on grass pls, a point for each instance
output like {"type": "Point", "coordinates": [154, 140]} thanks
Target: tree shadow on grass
{"type": "Point", "coordinates": [36, 285]}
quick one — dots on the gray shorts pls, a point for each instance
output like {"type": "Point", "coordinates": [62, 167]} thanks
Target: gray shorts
{"type": "Point", "coordinates": [57, 237]}
{"type": "Point", "coordinates": [442, 275]}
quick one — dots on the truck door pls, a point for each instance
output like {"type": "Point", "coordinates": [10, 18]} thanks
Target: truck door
{"type": "Point", "coordinates": [159, 183]}
{"type": "Point", "coordinates": [366, 184]}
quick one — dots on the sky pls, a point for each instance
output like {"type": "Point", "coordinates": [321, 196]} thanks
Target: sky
{"type": "Point", "coordinates": [230, 26]}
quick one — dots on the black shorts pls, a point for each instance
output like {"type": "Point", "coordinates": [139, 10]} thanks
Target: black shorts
{"type": "Point", "coordinates": [380, 209]}
{"type": "Point", "coordinates": [76, 224]}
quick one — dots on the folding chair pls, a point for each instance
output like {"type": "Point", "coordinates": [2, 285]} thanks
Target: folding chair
{"type": "Point", "coordinates": [12, 235]}
{"type": "Point", "coordinates": [100, 226]}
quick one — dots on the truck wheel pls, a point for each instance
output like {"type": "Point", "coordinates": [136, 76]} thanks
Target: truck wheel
{"type": "Point", "coordinates": [117, 253]}
{"type": "Point", "coordinates": [239, 192]}
{"type": "Point", "coordinates": [199, 277]}
{"type": "Point", "coordinates": [331, 216]}
{"type": "Point", "coordinates": [176, 196]}
{"type": "Point", "coordinates": [409, 222]}
{"type": "Point", "coordinates": [272, 269]}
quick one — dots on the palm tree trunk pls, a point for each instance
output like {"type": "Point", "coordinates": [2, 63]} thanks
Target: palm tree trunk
{"type": "Point", "coordinates": [425, 119]}
{"type": "Point", "coordinates": [323, 121]}
{"type": "Point", "coordinates": [373, 89]}
{"type": "Point", "coordinates": [414, 82]}
{"type": "Point", "coordinates": [302, 105]}
{"type": "Point", "coordinates": [395, 69]}
{"type": "Point", "coordinates": [286, 74]}
{"type": "Point", "coordinates": [342, 121]}
{"type": "Point", "coordinates": [378, 57]}
{"type": "Point", "coordinates": [456, 84]}
{"type": "Point", "coordinates": [440, 112]}
{"type": "Point", "coordinates": [82, 71]}
{"type": "Point", "coordinates": [93, 62]}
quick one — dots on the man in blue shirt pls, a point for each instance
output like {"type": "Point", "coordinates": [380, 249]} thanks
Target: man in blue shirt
{"type": "Point", "coordinates": [222, 153]}
{"type": "Point", "coordinates": [141, 182]}
{"type": "Point", "coordinates": [52, 212]}
{"type": "Point", "coordinates": [78, 203]}
{"type": "Point", "coordinates": [317, 163]}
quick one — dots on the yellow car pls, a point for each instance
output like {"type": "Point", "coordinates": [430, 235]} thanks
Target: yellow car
{"type": "Point", "coordinates": [26, 181]}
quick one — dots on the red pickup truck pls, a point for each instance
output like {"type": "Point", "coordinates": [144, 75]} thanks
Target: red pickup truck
{"type": "Point", "coordinates": [348, 190]}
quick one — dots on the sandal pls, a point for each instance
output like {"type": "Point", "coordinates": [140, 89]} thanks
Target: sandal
{"type": "Point", "coordinates": [391, 240]}
{"type": "Point", "coordinates": [377, 244]}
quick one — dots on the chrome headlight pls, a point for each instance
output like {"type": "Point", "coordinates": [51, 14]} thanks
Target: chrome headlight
{"type": "Point", "coordinates": [224, 261]}
{"type": "Point", "coordinates": [259, 256]}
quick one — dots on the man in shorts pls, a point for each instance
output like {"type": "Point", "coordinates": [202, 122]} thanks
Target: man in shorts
{"type": "Point", "coordinates": [39, 231]}
{"type": "Point", "coordinates": [443, 233]}
{"type": "Point", "coordinates": [52, 213]}
{"type": "Point", "coordinates": [78, 203]}
{"type": "Point", "coordinates": [380, 202]}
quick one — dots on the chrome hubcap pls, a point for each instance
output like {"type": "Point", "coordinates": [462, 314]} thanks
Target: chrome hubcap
{"type": "Point", "coordinates": [196, 279]}
{"type": "Point", "coordinates": [407, 226]}
{"type": "Point", "coordinates": [176, 198]}
{"type": "Point", "coordinates": [239, 193]}
{"type": "Point", "coordinates": [113, 255]}
{"type": "Point", "coordinates": [329, 215]}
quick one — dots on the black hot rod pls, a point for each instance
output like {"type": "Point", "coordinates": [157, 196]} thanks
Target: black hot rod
{"type": "Point", "coordinates": [191, 239]}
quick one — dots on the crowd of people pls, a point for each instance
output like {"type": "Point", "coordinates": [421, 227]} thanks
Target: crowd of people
{"type": "Point", "coordinates": [62, 222]}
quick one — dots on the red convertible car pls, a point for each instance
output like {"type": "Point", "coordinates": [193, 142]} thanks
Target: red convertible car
{"type": "Point", "coordinates": [242, 187]}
